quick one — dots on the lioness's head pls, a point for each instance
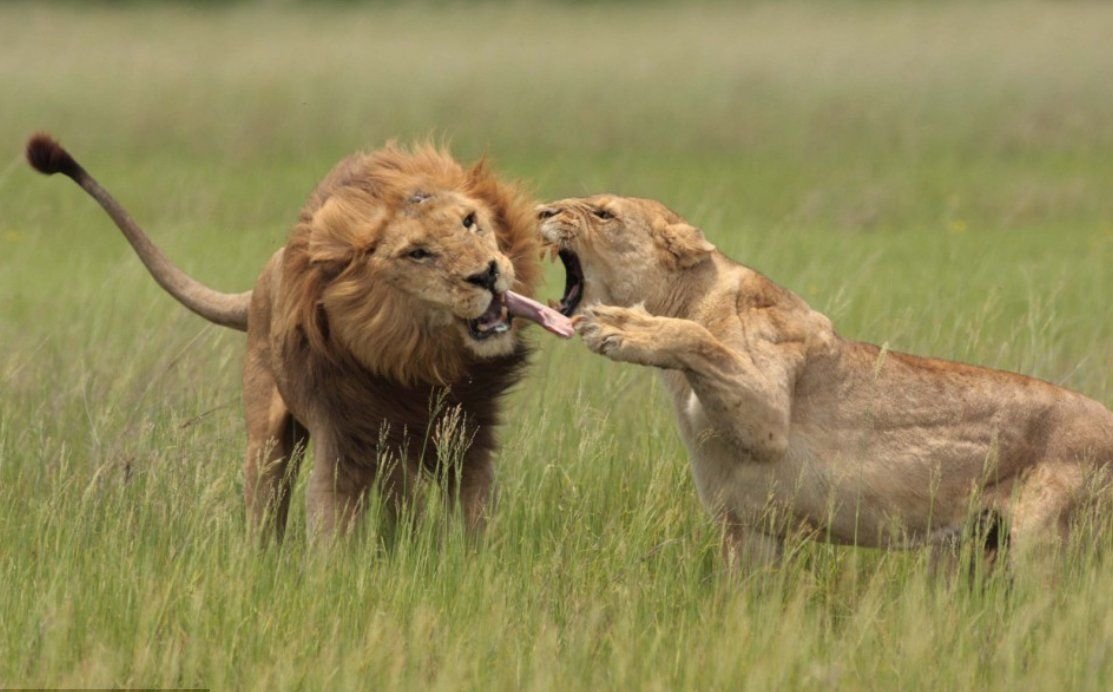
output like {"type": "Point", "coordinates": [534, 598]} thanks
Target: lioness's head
{"type": "Point", "coordinates": [618, 250]}
{"type": "Point", "coordinates": [407, 258]}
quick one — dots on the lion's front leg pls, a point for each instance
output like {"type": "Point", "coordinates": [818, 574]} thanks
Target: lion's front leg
{"type": "Point", "coordinates": [476, 494]}
{"type": "Point", "coordinates": [337, 493]}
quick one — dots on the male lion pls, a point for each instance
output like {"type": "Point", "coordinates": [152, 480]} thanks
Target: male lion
{"type": "Point", "coordinates": [382, 322]}
{"type": "Point", "coordinates": [791, 427]}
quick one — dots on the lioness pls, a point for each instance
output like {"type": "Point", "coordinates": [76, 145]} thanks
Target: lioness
{"type": "Point", "coordinates": [386, 318]}
{"type": "Point", "coordinates": [791, 427]}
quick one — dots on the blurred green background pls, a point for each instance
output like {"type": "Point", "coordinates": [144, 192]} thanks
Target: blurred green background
{"type": "Point", "coordinates": [937, 176]}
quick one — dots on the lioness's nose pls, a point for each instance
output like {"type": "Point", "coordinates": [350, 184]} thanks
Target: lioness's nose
{"type": "Point", "coordinates": [547, 212]}
{"type": "Point", "coordinates": [487, 278]}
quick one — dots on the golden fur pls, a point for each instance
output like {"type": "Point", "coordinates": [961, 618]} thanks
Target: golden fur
{"type": "Point", "coordinates": [358, 331]}
{"type": "Point", "coordinates": [368, 202]}
{"type": "Point", "coordinates": [791, 427]}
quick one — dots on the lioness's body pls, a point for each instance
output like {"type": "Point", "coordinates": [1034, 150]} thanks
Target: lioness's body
{"type": "Point", "coordinates": [881, 446]}
{"type": "Point", "coordinates": [379, 332]}
{"type": "Point", "coordinates": [790, 426]}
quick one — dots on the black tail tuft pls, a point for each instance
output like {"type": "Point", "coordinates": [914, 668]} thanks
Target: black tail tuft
{"type": "Point", "coordinates": [47, 156]}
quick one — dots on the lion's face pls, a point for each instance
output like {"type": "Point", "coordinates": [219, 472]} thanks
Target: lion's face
{"type": "Point", "coordinates": [618, 250]}
{"type": "Point", "coordinates": [441, 252]}
{"type": "Point", "coordinates": [434, 262]}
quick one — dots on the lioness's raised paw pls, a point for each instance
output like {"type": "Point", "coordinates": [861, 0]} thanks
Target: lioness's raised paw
{"type": "Point", "coordinates": [621, 334]}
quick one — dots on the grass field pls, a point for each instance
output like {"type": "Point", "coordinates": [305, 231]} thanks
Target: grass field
{"type": "Point", "coordinates": [934, 176]}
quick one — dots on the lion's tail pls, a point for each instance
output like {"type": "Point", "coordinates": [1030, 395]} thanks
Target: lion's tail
{"type": "Point", "coordinates": [226, 309]}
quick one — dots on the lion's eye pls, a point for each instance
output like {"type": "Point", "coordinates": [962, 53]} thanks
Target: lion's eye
{"type": "Point", "coordinates": [469, 220]}
{"type": "Point", "coordinates": [603, 214]}
{"type": "Point", "coordinates": [419, 253]}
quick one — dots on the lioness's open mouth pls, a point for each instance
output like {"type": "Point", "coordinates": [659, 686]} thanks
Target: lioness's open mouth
{"type": "Point", "coordinates": [496, 319]}
{"type": "Point", "coordinates": [573, 282]}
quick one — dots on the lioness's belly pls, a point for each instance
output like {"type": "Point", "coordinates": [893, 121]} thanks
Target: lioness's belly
{"type": "Point", "coordinates": [843, 491]}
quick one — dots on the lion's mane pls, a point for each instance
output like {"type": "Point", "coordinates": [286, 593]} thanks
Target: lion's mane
{"type": "Point", "coordinates": [387, 394]}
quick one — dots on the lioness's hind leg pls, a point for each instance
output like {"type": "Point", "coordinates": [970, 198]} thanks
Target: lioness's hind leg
{"type": "Point", "coordinates": [976, 552]}
{"type": "Point", "coordinates": [276, 444]}
{"type": "Point", "coordinates": [1040, 512]}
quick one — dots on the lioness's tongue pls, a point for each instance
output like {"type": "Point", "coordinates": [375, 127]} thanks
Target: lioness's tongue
{"type": "Point", "coordinates": [520, 306]}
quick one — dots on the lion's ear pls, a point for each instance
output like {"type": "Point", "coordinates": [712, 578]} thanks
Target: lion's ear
{"type": "Point", "coordinates": [339, 231]}
{"type": "Point", "coordinates": [329, 253]}
{"type": "Point", "coordinates": [324, 248]}
{"type": "Point", "coordinates": [684, 243]}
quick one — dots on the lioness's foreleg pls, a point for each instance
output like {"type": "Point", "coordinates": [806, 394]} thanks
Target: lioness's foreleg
{"type": "Point", "coordinates": [749, 406]}
{"type": "Point", "coordinates": [744, 548]}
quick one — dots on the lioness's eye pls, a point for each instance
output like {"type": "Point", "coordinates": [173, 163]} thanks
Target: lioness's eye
{"type": "Point", "coordinates": [603, 214]}
{"type": "Point", "coordinates": [419, 253]}
{"type": "Point", "coordinates": [469, 220]}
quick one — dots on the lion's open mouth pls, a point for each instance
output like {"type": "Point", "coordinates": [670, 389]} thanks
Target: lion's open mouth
{"type": "Point", "coordinates": [495, 321]}
{"type": "Point", "coordinates": [573, 282]}
{"type": "Point", "coordinates": [504, 306]}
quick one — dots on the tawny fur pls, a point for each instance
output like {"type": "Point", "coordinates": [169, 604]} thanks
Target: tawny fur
{"type": "Point", "coordinates": [792, 428]}
{"type": "Point", "coordinates": [359, 345]}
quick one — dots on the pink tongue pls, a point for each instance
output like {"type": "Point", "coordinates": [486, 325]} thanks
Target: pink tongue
{"type": "Point", "coordinates": [550, 319]}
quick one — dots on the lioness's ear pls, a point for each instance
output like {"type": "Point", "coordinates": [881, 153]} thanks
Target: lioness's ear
{"type": "Point", "coordinates": [684, 243]}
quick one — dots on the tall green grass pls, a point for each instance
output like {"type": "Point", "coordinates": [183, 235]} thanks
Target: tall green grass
{"type": "Point", "coordinates": [935, 176]}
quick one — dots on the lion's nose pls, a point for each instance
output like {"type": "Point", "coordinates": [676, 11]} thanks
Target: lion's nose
{"type": "Point", "coordinates": [486, 279]}
{"type": "Point", "coordinates": [547, 212]}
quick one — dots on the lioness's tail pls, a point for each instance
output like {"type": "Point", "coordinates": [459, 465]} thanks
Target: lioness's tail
{"type": "Point", "coordinates": [227, 309]}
